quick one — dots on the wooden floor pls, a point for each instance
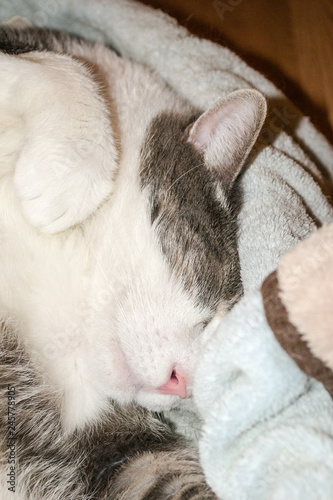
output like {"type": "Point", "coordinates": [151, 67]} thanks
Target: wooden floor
{"type": "Point", "coordinates": [290, 41]}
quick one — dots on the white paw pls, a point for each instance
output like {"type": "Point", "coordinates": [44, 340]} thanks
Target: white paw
{"type": "Point", "coordinates": [68, 156]}
{"type": "Point", "coordinates": [60, 182]}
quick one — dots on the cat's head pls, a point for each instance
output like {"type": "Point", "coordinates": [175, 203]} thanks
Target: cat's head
{"type": "Point", "coordinates": [169, 254]}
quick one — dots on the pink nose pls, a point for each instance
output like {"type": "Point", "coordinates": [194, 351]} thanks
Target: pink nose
{"type": "Point", "coordinates": [176, 385]}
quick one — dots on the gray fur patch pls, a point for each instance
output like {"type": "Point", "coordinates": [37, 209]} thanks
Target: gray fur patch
{"type": "Point", "coordinates": [18, 41]}
{"type": "Point", "coordinates": [194, 216]}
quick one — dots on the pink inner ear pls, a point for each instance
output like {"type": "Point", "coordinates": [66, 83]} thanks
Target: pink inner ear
{"type": "Point", "coordinates": [203, 129]}
{"type": "Point", "coordinates": [225, 134]}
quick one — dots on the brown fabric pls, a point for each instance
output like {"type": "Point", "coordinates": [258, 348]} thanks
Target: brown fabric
{"type": "Point", "coordinates": [289, 338]}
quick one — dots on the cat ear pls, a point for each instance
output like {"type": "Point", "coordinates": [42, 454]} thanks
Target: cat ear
{"type": "Point", "coordinates": [226, 133]}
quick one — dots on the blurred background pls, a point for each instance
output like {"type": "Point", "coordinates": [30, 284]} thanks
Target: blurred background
{"type": "Point", "coordinates": [289, 41]}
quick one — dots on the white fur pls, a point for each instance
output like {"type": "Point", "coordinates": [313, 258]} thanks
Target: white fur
{"type": "Point", "coordinates": [101, 311]}
{"type": "Point", "coordinates": [61, 122]}
{"type": "Point", "coordinates": [78, 294]}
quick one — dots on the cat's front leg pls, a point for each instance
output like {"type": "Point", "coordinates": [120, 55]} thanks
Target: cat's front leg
{"type": "Point", "coordinates": [65, 155]}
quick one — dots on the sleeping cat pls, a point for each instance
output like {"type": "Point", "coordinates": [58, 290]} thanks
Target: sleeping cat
{"type": "Point", "coordinates": [118, 237]}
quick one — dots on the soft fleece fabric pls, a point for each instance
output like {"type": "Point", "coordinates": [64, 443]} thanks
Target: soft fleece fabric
{"type": "Point", "coordinates": [305, 278]}
{"type": "Point", "coordinates": [268, 428]}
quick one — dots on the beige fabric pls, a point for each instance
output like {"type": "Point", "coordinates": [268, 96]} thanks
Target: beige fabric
{"type": "Point", "coordinates": [306, 282]}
